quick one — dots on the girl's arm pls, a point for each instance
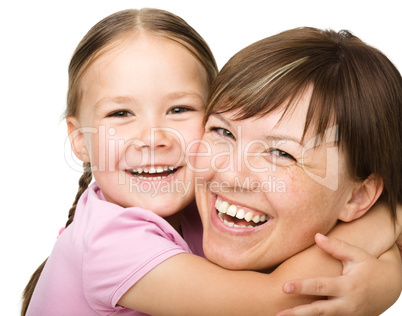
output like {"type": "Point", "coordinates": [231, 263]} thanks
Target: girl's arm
{"type": "Point", "coordinates": [190, 285]}
{"type": "Point", "coordinates": [375, 232]}
{"type": "Point", "coordinates": [187, 284]}
{"type": "Point", "coordinates": [364, 279]}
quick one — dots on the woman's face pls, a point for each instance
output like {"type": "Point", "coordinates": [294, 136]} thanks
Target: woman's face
{"type": "Point", "coordinates": [265, 193]}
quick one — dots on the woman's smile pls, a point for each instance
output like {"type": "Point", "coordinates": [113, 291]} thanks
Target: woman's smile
{"type": "Point", "coordinates": [237, 216]}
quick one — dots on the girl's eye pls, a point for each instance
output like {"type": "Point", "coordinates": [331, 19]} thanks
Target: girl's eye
{"type": "Point", "coordinates": [178, 110]}
{"type": "Point", "coordinates": [223, 132]}
{"type": "Point", "coordinates": [121, 113]}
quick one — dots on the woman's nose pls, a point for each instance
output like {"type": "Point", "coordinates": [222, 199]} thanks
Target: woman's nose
{"type": "Point", "coordinates": [235, 168]}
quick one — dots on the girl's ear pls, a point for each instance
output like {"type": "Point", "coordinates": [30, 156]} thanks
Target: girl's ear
{"type": "Point", "coordinates": [363, 197]}
{"type": "Point", "coordinates": [77, 139]}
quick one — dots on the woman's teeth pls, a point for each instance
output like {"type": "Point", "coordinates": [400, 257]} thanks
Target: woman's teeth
{"type": "Point", "coordinates": [237, 217]}
{"type": "Point", "coordinates": [162, 172]}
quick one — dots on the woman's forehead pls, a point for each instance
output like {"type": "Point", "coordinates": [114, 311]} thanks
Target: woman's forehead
{"type": "Point", "coordinates": [288, 120]}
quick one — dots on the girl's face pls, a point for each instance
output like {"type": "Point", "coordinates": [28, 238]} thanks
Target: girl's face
{"type": "Point", "coordinates": [265, 192]}
{"type": "Point", "coordinates": [140, 120]}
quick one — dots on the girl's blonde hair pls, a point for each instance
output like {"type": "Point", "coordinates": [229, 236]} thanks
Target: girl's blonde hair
{"type": "Point", "coordinates": [96, 42]}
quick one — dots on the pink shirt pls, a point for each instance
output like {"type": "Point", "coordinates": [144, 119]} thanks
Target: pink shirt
{"type": "Point", "coordinates": [103, 253]}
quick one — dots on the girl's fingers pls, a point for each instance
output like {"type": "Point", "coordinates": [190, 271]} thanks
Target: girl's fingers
{"type": "Point", "coordinates": [339, 249]}
{"type": "Point", "coordinates": [317, 308]}
{"type": "Point", "coordinates": [326, 286]}
{"type": "Point", "coordinates": [321, 286]}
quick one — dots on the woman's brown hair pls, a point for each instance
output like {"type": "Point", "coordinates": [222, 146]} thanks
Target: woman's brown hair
{"type": "Point", "coordinates": [355, 87]}
{"type": "Point", "coordinates": [98, 40]}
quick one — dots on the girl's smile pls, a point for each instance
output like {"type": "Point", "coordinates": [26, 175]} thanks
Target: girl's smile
{"type": "Point", "coordinates": [153, 173]}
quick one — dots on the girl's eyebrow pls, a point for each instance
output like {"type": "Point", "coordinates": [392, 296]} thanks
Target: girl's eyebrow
{"type": "Point", "coordinates": [116, 100]}
{"type": "Point", "coordinates": [127, 99]}
{"type": "Point", "coordinates": [182, 94]}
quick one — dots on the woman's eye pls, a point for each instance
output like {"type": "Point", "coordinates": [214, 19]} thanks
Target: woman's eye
{"type": "Point", "coordinates": [223, 132]}
{"type": "Point", "coordinates": [178, 110]}
{"type": "Point", "coordinates": [281, 153]}
{"type": "Point", "coordinates": [122, 113]}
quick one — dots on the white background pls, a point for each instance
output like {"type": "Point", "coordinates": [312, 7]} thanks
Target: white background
{"type": "Point", "coordinates": [37, 41]}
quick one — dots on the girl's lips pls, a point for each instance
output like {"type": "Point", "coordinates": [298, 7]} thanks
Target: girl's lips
{"type": "Point", "coordinates": [236, 220]}
{"type": "Point", "coordinates": [155, 173]}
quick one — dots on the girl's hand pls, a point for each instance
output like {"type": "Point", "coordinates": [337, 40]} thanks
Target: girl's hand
{"type": "Point", "coordinates": [367, 286]}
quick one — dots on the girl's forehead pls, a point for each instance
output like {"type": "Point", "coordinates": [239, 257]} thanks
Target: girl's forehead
{"type": "Point", "coordinates": [144, 69]}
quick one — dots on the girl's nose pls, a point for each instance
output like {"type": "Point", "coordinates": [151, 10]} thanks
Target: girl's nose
{"type": "Point", "coordinates": [156, 138]}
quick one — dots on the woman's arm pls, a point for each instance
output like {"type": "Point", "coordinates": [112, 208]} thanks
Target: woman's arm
{"type": "Point", "coordinates": [187, 284]}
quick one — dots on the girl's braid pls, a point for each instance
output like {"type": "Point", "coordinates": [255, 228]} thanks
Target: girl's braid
{"type": "Point", "coordinates": [84, 182]}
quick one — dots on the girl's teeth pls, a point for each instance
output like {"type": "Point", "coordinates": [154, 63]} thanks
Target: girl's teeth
{"type": "Point", "coordinates": [152, 170]}
{"type": "Point", "coordinates": [151, 178]}
{"type": "Point", "coordinates": [224, 207]}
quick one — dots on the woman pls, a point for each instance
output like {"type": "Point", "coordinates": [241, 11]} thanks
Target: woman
{"type": "Point", "coordinates": [315, 115]}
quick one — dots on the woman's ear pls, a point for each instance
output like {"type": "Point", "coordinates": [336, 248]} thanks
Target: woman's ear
{"type": "Point", "coordinates": [363, 197]}
{"type": "Point", "coordinates": [76, 138]}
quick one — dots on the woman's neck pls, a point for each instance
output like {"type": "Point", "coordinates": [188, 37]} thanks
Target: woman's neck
{"type": "Point", "coordinates": [175, 219]}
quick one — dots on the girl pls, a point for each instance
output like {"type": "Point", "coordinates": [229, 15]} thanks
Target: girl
{"type": "Point", "coordinates": [135, 71]}
{"type": "Point", "coordinates": [147, 68]}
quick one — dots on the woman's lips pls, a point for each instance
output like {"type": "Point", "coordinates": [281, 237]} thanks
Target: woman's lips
{"type": "Point", "coordinates": [236, 216]}
{"type": "Point", "coordinates": [237, 219]}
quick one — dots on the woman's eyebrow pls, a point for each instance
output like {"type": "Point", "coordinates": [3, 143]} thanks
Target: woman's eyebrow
{"type": "Point", "coordinates": [275, 137]}
{"type": "Point", "coordinates": [283, 137]}
{"type": "Point", "coordinates": [221, 118]}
